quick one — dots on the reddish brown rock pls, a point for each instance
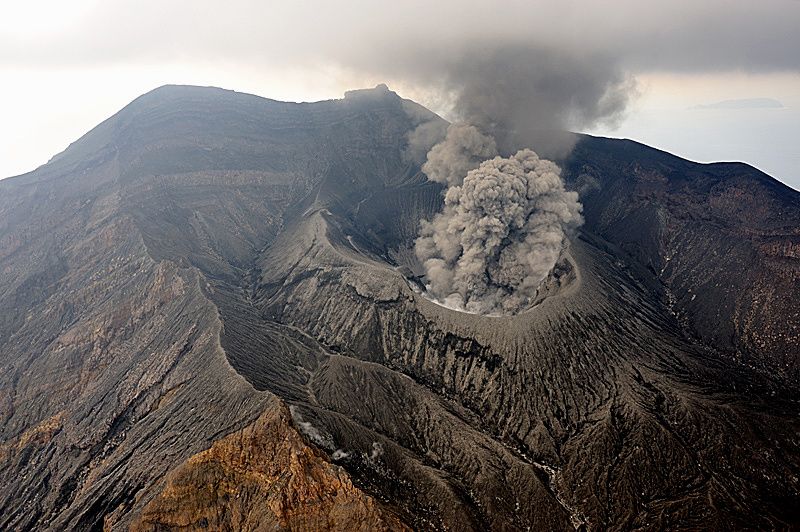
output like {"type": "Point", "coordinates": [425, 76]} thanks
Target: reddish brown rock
{"type": "Point", "coordinates": [263, 477]}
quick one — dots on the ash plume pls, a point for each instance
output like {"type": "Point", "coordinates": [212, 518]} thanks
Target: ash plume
{"type": "Point", "coordinates": [501, 231]}
{"type": "Point", "coordinates": [506, 219]}
{"type": "Point", "coordinates": [522, 95]}
{"type": "Point", "coordinates": [463, 149]}
{"type": "Point", "coordinates": [533, 96]}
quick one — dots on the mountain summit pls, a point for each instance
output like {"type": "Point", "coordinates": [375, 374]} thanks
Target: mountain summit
{"type": "Point", "coordinates": [213, 318]}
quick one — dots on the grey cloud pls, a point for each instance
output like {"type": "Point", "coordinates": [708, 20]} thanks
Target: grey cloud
{"type": "Point", "coordinates": [524, 72]}
{"type": "Point", "coordinates": [687, 35]}
{"type": "Point", "coordinates": [531, 96]}
{"type": "Point", "coordinates": [677, 35]}
{"type": "Point", "coordinates": [521, 71]}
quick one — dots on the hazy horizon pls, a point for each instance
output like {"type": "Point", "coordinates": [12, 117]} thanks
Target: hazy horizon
{"type": "Point", "coordinates": [655, 74]}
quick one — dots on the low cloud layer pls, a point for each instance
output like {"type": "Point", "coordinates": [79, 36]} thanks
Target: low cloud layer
{"type": "Point", "coordinates": [680, 35]}
{"type": "Point", "coordinates": [516, 69]}
{"type": "Point", "coordinates": [502, 228]}
{"type": "Point", "coordinates": [521, 71]}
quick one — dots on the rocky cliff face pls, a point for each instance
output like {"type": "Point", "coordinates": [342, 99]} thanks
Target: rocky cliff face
{"type": "Point", "coordinates": [722, 238]}
{"type": "Point", "coordinates": [204, 255]}
{"type": "Point", "coordinates": [262, 477]}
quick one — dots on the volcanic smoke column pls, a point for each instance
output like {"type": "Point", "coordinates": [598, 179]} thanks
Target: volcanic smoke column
{"type": "Point", "coordinates": [503, 226]}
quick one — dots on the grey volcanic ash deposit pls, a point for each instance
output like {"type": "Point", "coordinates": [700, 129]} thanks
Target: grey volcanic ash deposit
{"type": "Point", "coordinates": [504, 224]}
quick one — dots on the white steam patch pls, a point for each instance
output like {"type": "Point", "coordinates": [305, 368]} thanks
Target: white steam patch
{"type": "Point", "coordinates": [377, 451]}
{"type": "Point", "coordinates": [504, 224]}
{"type": "Point", "coordinates": [318, 437]}
{"type": "Point", "coordinates": [323, 440]}
{"type": "Point", "coordinates": [339, 454]}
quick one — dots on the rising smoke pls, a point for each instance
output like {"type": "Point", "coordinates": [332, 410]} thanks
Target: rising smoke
{"type": "Point", "coordinates": [502, 229]}
{"type": "Point", "coordinates": [506, 220]}
{"type": "Point", "coordinates": [534, 96]}
{"type": "Point", "coordinates": [522, 95]}
{"type": "Point", "coordinates": [463, 149]}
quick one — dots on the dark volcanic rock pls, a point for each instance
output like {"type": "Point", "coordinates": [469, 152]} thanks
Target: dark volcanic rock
{"type": "Point", "coordinates": [204, 251]}
{"type": "Point", "coordinates": [723, 238]}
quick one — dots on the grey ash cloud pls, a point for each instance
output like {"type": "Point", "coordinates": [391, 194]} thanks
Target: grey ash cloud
{"type": "Point", "coordinates": [506, 220]}
{"type": "Point", "coordinates": [462, 150]}
{"type": "Point", "coordinates": [502, 228]}
{"type": "Point", "coordinates": [525, 95]}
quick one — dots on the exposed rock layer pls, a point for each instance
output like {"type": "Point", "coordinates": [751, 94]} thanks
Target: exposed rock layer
{"type": "Point", "coordinates": [204, 251]}
{"type": "Point", "coordinates": [263, 477]}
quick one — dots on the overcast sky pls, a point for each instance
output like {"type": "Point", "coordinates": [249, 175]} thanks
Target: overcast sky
{"type": "Point", "coordinates": [619, 68]}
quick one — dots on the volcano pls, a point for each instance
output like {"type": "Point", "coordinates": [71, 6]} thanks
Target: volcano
{"type": "Point", "coordinates": [213, 317]}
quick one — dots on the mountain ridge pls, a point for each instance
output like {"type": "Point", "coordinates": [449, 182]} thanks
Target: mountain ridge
{"type": "Point", "coordinates": [223, 255]}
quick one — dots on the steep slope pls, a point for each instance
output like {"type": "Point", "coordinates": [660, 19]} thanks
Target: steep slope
{"type": "Point", "coordinates": [111, 372]}
{"type": "Point", "coordinates": [203, 251]}
{"type": "Point", "coordinates": [263, 477]}
{"type": "Point", "coordinates": [111, 368]}
{"type": "Point", "coordinates": [623, 420]}
{"type": "Point", "coordinates": [723, 238]}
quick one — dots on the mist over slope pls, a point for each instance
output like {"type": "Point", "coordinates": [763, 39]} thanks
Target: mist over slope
{"type": "Point", "coordinates": [204, 258]}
